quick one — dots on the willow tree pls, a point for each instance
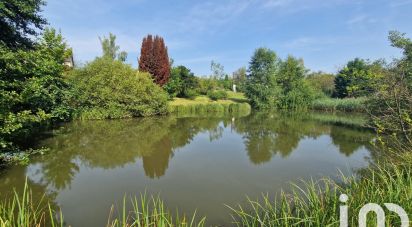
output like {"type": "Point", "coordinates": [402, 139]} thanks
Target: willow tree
{"type": "Point", "coordinates": [154, 59]}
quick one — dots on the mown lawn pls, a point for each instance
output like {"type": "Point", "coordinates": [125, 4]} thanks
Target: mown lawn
{"type": "Point", "coordinates": [202, 99]}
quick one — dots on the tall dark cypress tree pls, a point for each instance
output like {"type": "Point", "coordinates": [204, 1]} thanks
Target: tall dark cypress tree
{"type": "Point", "coordinates": [154, 59]}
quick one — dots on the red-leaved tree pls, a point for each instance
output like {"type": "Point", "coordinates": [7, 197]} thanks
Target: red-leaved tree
{"type": "Point", "coordinates": [154, 59]}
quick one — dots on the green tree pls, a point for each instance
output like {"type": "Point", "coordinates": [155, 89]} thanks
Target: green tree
{"type": "Point", "coordinates": [20, 20]}
{"type": "Point", "coordinates": [391, 105]}
{"type": "Point", "coordinates": [295, 92]}
{"type": "Point", "coordinates": [291, 73]}
{"type": "Point", "coordinates": [32, 89]}
{"type": "Point", "coordinates": [399, 41]}
{"type": "Point", "coordinates": [322, 82]}
{"type": "Point", "coordinates": [111, 50]}
{"type": "Point", "coordinates": [206, 84]}
{"type": "Point", "coordinates": [182, 82]}
{"type": "Point", "coordinates": [261, 86]}
{"type": "Point", "coordinates": [356, 79]}
{"type": "Point", "coordinates": [226, 82]}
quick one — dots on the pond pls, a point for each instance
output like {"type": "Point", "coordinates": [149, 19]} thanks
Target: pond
{"type": "Point", "coordinates": [193, 163]}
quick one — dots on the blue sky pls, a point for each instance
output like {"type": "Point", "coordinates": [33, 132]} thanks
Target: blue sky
{"type": "Point", "coordinates": [325, 33]}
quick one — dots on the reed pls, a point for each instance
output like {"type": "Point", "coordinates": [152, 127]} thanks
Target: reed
{"type": "Point", "coordinates": [23, 210]}
{"type": "Point", "coordinates": [345, 105]}
{"type": "Point", "coordinates": [317, 203]}
{"type": "Point", "coordinates": [150, 212]}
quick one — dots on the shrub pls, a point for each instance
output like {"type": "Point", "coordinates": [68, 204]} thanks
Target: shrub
{"type": "Point", "coordinates": [181, 83]}
{"type": "Point", "coordinates": [108, 88]}
{"type": "Point", "coordinates": [217, 95]}
{"type": "Point", "coordinates": [322, 82]}
{"type": "Point", "coordinates": [33, 92]}
{"type": "Point", "coordinates": [206, 84]}
{"type": "Point", "coordinates": [391, 105]}
{"type": "Point", "coordinates": [357, 78]}
{"type": "Point", "coordinates": [299, 97]}
{"type": "Point", "coordinates": [191, 94]}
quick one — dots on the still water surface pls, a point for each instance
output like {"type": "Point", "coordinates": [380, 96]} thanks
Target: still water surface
{"type": "Point", "coordinates": [193, 163]}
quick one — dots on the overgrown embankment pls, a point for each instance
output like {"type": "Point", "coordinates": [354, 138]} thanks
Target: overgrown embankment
{"type": "Point", "coordinates": [235, 104]}
{"type": "Point", "coordinates": [344, 105]}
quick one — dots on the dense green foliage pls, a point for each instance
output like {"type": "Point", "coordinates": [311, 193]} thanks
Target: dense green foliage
{"type": "Point", "coordinates": [107, 88]}
{"type": "Point", "coordinates": [32, 90]}
{"type": "Point", "coordinates": [217, 94]}
{"type": "Point", "coordinates": [323, 82]}
{"type": "Point", "coordinates": [295, 91]}
{"type": "Point", "coordinates": [18, 21]}
{"type": "Point", "coordinates": [356, 78]}
{"type": "Point", "coordinates": [390, 106]}
{"type": "Point", "coordinates": [37, 90]}
{"type": "Point", "coordinates": [182, 83]}
{"type": "Point", "coordinates": [273, 83]}
{"type": "Point", "coordinates": [261, 88]}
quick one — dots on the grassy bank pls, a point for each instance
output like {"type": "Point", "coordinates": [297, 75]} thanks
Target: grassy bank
{"type": "Point", "coordinates": [344, 105]}
{"type": "Point", "coordinates": [235, 104]}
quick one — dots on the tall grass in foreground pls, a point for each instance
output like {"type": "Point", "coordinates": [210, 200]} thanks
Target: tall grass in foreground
{"type": "Point", "coordinates": [317, 203]}
{"type": "Point", "coordinates": [150, 212]}
{"type": "Point", "coordinates": [21, 210]}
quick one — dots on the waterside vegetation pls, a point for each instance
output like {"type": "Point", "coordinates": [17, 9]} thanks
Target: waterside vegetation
{"type": "Point", "coordinates": [37, 91]}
